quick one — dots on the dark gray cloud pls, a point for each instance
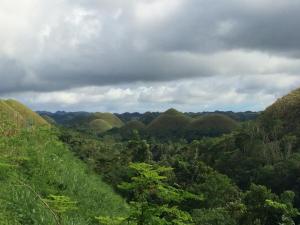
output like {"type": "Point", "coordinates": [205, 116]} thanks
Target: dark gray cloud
{"type": "Point", "coordinates": [60, 45]}
{"type": "Point", "coordinates": [212, 25]}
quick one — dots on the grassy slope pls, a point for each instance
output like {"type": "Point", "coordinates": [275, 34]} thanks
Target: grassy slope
{"type": "Point", "coordinates": [38, 159]}
{"type": "Point", "coordinates": [283, 114]}
{"type": "Point", "coordinates": [10, 119]}
{"type": "Point", "coordinates": [35, 157]}
{"type": "Point", "coordinates": [29, 116]}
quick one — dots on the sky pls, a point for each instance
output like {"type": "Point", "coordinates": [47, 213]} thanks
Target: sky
{"type": "Point", "coordinates": [149, 55]}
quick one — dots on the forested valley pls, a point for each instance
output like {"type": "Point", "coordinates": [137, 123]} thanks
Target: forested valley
{"type": "Point", "coordinates": [220, 168]}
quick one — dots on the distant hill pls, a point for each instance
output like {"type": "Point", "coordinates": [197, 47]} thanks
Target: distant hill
{"type": "Point", "coordinates": [237, 116]}
{"type": "Point", "coordinates": [161, 125]}
{"type": "Point", "coordinates": [171, 123]}
{"type": "Point", "coordinates": [95, 122]}
{"type": "Point", "coordinates": [110, 118]}
{"type": "Point", "coordinates": [64, 118]}
{"type": "Point", "coordinates": [210, 125]}
{"type": "Point", "coordinates": [100, 126]}
{"type": "Point", "coordinates": [145, 118]}
{"type": "Point", "coordinates": [100, 122]}
{"type": "Point", "coordinates": [49, 119]}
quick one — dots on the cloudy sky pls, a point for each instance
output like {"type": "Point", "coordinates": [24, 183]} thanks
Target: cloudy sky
{"type": "Point", "coordinates": [139, 55]}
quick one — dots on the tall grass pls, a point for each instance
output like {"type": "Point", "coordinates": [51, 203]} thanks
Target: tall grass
{"type": "Point", "coordinates": [34, 165]}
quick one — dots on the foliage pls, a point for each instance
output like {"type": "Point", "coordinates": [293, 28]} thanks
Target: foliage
{"type": "Point", "coordinates": [106, 220]}
{"type": "Point", "coordinates": [247, 176]}
{"type": "Point", "coordinates": [61, 204]}
{"type": "Point", "coordinates": [35, 157]}
{"type": "Point", "coordinates": [152, 200]}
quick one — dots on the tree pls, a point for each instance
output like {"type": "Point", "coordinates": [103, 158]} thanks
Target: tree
{"type": "Point", "coordinates": [266, 208]}
{"type": "Point", "coordinates": [152, 200]}
{"type": "Point", "coordinates": [140, 149]}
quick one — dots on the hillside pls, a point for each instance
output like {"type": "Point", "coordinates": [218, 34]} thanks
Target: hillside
{"type": "Point", "coordinates": [283, 116]}
{"type": "Point", "coordinates": [14, 115]}
{"type": "Point", "coordinates": [29, 116]}
{"type": "Point", "coordinates": [35, 167]}
{"type": "Point", "coordinates": [9, 115]}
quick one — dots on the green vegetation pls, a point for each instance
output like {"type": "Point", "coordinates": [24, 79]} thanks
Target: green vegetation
{"type": "Point", "coordinates": [177, 170]}
{"type": "Point", "coordinates": [41, 182]}
{"type": "Point", "coordinates": [153, 201]}
{"type": "Point", "coordinates": [34, 166]}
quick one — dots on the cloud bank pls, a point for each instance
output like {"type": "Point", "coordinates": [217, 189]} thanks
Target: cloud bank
{"type": "Point", "coordinates": [138, 55]}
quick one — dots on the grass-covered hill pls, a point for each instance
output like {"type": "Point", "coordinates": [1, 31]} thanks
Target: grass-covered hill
{"type": "Point", "coordinates": [14, 115]}
{"type": "Point", "coordinates": [211, 126]}
{"type": "Point", "coordinates": [8, 114]}
{"type": "Point", "coordinates": [96, 123]}
{"type": "Point", "coordinates": [101, 122]}
{"type": "Point", "coordinates": [169, 124]}
{"type": "Point", "coordinates": [100, 126]}
{"type": "Point", "coordinates": [110, 118]}
{"type": "Point", "coordinates": [43, 183]}
{"type": "Point", "coordinates": [283, 117]}
{"type": "Point", "coordinates": [28, 115]}
{"type": "Point", "coordinates": [176, 124]}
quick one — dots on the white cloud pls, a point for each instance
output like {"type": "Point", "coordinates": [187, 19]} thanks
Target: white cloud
{"type": "Point", "coordinates": [206, 94]}
{"type": "Point", "coordinates": [149, 54]}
